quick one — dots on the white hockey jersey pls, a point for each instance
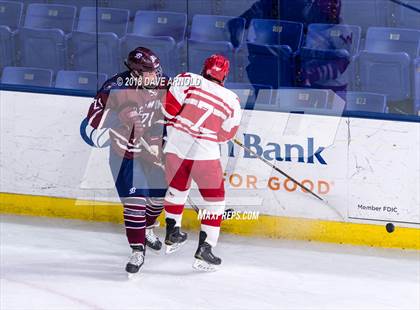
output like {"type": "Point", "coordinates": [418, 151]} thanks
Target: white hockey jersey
{"type": "Point", "coordinates": [200, 115]}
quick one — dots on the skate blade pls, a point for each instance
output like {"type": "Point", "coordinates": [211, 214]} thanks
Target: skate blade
{"type": "Point", "coordinates": [201, 265]}
{"type": "Point", "coordinates": [174, 247]}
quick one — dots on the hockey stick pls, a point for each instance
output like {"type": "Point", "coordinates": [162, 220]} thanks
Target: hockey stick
{"type": "Point", "coordinates": [406, 5]}
{"type": "Point", "coordinates": [286, 175]}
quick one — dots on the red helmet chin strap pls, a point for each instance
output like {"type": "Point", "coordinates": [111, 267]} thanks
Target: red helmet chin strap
{"type": "Point", "coordinates": [216, 68]}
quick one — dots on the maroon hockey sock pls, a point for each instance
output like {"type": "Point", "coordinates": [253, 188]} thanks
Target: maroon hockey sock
{"type": "Point", "coordinates": [152, 213]}
{"type": "Point", "coordinates": [135, 220]}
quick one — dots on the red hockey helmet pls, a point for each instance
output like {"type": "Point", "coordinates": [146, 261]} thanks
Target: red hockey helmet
{"type": "Point", "coordinates": [216, 67]}
{"type": "Point", "coordinates": [141, 60]}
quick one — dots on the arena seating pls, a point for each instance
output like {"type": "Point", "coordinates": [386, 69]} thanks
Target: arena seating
{"type": "Point", "coordinates": [42, 40]}
{"type": "Point", "coordinates": [79, 80]}
{"type": "Point", "coordinates": [380, 38]}
{"type": "Point", "coordinates": [161, 24]}
{"type": "Point", "coordinates": [42, 48]}
{"type": "Point", "coordinates": [212, 34]}
{"type": "Point", "coordinates": [365, 102]}
{"type": "Point", "coordinates": [385, 73]}
{"type": "Point", "coordinates": [109, 20]}
{"type": "Point", "coordinates": [50, 16]}
{"type": "Point", "coordinates": [132, 6]}
{"type": "Point", "coordinates": [251, 94]}
{"type": "Point", "coordinates": [333, 37]}
{"type": "Point", "coordinates": [272, 44]}
{"type": "Point", "coordinates": [290, 98]}
{"type": "Point", "coordinates": [393, 40]}
{"type": "Point", "coordinates": [84, 56]}
{"type": "Point", "coordinates": [365, 13]}
{"type": "Point", "coordinates": [275, 32]}
{"type": "Point", "coordinates": [27, 76]}
{"type": "Point", "coordinates": [11, 14]}
{"type": "Point", "coordinates": [78, 3]}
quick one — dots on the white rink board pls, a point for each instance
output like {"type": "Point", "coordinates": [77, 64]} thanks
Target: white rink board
{"type": "Point", "coordinates": [371, 168]}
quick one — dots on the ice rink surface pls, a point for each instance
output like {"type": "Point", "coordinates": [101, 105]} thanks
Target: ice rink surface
{"type": "Point", "coordinates": [64, 264]}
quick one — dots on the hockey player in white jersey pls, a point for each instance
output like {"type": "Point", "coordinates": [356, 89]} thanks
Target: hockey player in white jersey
{"type": "Point", "coordinates": [201, 113]}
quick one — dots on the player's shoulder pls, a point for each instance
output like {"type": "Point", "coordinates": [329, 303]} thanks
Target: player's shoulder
{"type": "Point", "coordinates": [188, 76]}
{"type": "Point", "coordinates": [115, 81]}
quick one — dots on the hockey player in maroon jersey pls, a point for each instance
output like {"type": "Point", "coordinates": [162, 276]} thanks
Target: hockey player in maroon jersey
{"type": "Point", "coordinates": [201, 113]}
{"type": "Point", "coordinates": [127, 112]}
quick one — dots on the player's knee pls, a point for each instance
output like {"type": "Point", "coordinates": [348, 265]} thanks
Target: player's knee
{"type": "Point", "coordinates": [213, 194]}
{"type": "Point", "coordinates": [175, 196]}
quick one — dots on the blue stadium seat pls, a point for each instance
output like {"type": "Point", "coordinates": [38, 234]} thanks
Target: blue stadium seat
{"type": "Point", "coordinates": [77, 3]}
{"type": "Point", "coordinates": [161, 24]}
{"type": "Point", "coordinates": [406, 18]}
{"type": "Point", "coordinates": [269, 65]}
{"type": "Point", "coordinates": [365, 13]}
{"type": "Point", "coordinates": [83, 52]}
{"type": "Point", "coordinates": [42, 48]}
{"type": "Point", "coordinates": [10, 14]}
{"type": "Point", "coordinates": [417, 86]}
{"type": "Point", "coordinates": [276, 32]}
{"type": "Point", "coordinates": [270, 52]}
{"type": "Point", "coordinates": [332, 37]}
{"type": "Point", "coordinates": [392, 40]}
{"type": "Point", "coordinates": [213, 28]}
{"type": "Point", "coordinates": [109, 20]}
{"type": "Point", "coordinates": [133, 6]}
{"type": "Point", "coordinates": [80, 80]}
{"type": "Point", "coordinates": [212, 34]}
{"type": "Point", "coordinates": [384, 73]}
{"type": "Point", "coordinates": [314, 58]}
{"type": "Point", "coordinates": [364, 102]}
{"type": "Point", "coordinates": [250, 95]}
{"type": "Point", "coordinates": [27, 76]}
{"type": "Point", "coordinates": [7, 47]}
{"type": "Point", "coordinates": [295, 99]}
{"type": "Point", "coordinates": [50, 16]}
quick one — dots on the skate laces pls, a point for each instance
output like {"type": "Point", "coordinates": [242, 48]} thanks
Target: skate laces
{"type": "Point", "coordinates": [150, 235]}
{"type": "Point", "coordinates": [136, 258]}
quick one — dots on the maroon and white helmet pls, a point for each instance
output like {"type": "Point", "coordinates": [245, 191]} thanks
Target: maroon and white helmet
{"type": "Point", "coordinates": [141, 60]}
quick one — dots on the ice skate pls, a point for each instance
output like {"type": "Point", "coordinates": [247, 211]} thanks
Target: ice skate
{"type": "Point", "coordinates": [174, 239]}
{"type": "Point", "coordinates": [205, 260]}
{"type": "Point", "coordinates": [135, 262]}
{"type": "Point", "coordinates": [152, 240]}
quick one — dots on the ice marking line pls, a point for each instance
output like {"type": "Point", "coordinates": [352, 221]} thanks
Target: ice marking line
{"type": "Point", "coordinates": [54, 292]}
